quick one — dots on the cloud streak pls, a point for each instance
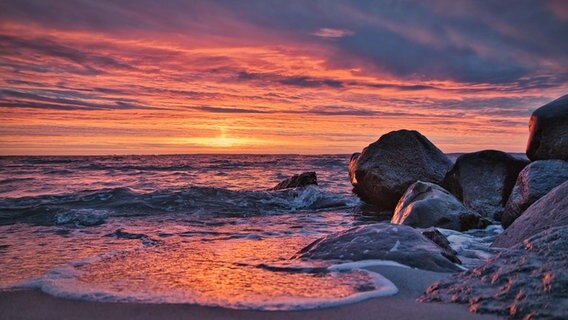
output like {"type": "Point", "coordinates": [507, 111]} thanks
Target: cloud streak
{"type": "Point", "coordinates": [298, 74]}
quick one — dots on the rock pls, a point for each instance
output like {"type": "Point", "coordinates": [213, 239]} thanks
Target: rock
{"type": "Point", "coordinates": [383, 241]}
{"type": "Point", "coordinates": [548, 212]}
{"type": "Point", "coordinates": [426, 205]}
{"type": "Point", "coordinates": [351, 168]}
{"type": "Point", "coordinates": [386, 168]}
{"type": "Point", "coordinates": [534, 181]}
{"type": "Point", "coordinates": [146, 240]}
{"type": "Point", "coordinates": [483, 180]}
{"type": "Point", "coordinates": [528, 281]}
{"type": "Point", "coordinates": [298, 181]}
{"type": "Point", "coordinates": [438, 238]}
{"type": "Point", "coordinates": [548, 138]}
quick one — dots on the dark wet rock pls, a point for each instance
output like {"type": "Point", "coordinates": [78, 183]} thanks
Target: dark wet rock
{"type": "Point", "coordinates": [386, 168]}
{"type": "Point", "coordinates": [548, 212]}
{"type": "Point", "coordinates": [548, 138]}
{"type": "Point", "coordinates": [298, 181]}
{"type": "Point", "coordinates": [383, 241]}
{"type": "Point", "coordinates": [484, 180]}
{"type": "Point", "coordinates": [438, 238]}
{"type": "Point", "coordinates": [351, 168]}
{"type": "Point", "coordinates": [534, 182]}
{"type": "Point", "coordinates": [528, 281]}
{"type": "Point", "coordinates": [426, 205]}
{"type": "Point", "coordinates": [121, 234]}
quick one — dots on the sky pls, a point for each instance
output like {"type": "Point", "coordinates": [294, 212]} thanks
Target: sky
{"type": "Point", "coordinates": [163, 77]}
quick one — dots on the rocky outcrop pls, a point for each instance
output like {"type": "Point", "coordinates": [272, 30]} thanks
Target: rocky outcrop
{"type": "Point", "coordinates": [426, 205]}
{"type": "Point", "coordinates": [298, 181]}
{"type": "Point", "coordinates": [534, 181]}
{"type": "Point", "coordinates": [384, 241]}
{"type": "Point", "coordinates": [548, 212]}
{"type": "Point", "coordinates": [528, 281]}
{"type": "Point", "coordinates": [484, 180]}
{"type": "Point", "coordinates": [548, 138]}
{"type": "Point", "coordinates": [386, 168]}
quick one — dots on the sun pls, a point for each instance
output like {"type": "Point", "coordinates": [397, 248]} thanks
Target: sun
{"type": "Point", "coordinates": [223, 141]}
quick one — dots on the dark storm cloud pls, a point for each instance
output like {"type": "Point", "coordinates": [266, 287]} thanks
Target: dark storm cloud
{"type": "Point", "coordinates": [468, 41]}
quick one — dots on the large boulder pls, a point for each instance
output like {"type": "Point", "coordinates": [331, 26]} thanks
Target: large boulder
{"type": "Point", "coordinates": [534, 182]}
{"type": "Point", "coordinates": [426, 205]}
{"type": "Point", "coordinates": [528, 281]}
{"type": "Point", "coordinates": [383, 241]}
{"type": "Point", "coordinates": [484, 180]}
{"type": "Point", "coordinates": [298, 181]}
{"type": "Point", "coordinates": [548, 138]}
{"type": "Point", "coordinates": [386, 168]}
{"type": "Point", "coordinates": [548, 212]}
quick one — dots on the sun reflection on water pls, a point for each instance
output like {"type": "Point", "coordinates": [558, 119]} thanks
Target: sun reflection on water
{"type": "Point", "coordinates": [219, 272]}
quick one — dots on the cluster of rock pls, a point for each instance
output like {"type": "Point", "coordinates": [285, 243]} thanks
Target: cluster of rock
{"type": "Point", "coordinates": [404, 173]}
{"type": "Point", "coordinates": [407, 174]}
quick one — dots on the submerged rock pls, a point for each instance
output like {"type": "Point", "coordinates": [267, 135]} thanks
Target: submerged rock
{"type": "Point", "coordinates": [528, 281]}
{"type": "Point", "coordinates": [383, 241]}
{"type": "Point", "coordinates": [548, 138]}
{"type": "Point", "coordinates": [298, 181]}
{"type": "Point", "coordinates": [386, 168]}
{"type": "Point", "coordinates": [426, 205]}
{"type": "Point", "coordinates": [146, 240]}
{"type": "Point", "coordinates": [534, 181]}
{"type": "Point", "coordinates": [483, 180]}
{"type": "Point", "coordinates": [548, 212]}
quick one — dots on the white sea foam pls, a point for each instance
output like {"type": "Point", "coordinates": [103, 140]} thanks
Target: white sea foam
{"type": "Point", "coordinates": [366, 263]}
{"type": "Point", "coordinates": [473, 246]}
{"type": "Point", "coordinates": [82, 217]}
{"type": "Point", "coordinates": [63, 282]}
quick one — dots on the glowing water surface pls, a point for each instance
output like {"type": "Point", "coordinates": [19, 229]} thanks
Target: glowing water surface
{"type": "Point", "coordinates": [178, 229]}
{"type": "Point", "coordinates": [230, 262]}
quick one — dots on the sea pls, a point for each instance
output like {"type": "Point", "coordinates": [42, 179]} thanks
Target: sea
{"type": "Point", "coordinates": [197, 229]}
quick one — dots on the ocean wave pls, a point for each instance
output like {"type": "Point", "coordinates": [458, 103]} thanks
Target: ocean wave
{"type": "Point", "coordinates": [85, 207]}
{"type": "Point", "coordinates": [81, 217]}
{"type": "Point", "coordinates": [114, 167]}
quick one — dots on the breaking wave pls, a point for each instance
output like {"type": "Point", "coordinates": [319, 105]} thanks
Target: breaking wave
{"type": "Point", "coordinates": [91, 207]}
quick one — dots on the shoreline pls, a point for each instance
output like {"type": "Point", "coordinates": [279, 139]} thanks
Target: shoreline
{"type": "Point", "coordinates": [34, 304]}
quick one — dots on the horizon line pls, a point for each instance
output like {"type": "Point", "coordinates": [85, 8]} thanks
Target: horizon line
{"type": "Point", "coordinates": [218, 154]}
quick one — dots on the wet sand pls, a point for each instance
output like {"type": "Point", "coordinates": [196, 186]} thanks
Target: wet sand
{"type": "Point", "coordinates": [33, 304]}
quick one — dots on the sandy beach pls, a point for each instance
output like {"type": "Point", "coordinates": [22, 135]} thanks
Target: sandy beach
{"type": "Point", "coordinates": [28, 304]}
